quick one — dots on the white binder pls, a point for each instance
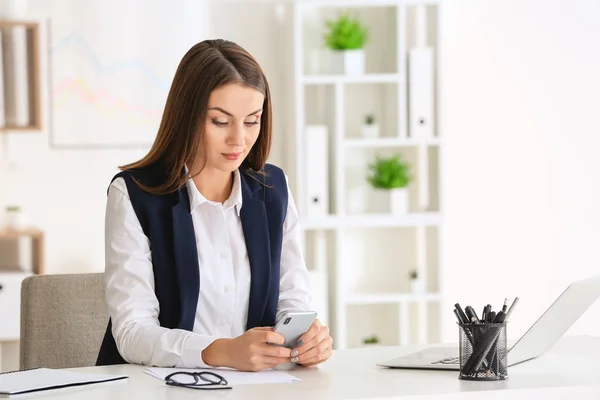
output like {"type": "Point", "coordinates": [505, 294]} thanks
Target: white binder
{"type": "Point", "coordinates": [420, 89]}
{"type": "Point", "coordinates": [316, 171]}
{"type": "Point", "coordinates": [16, 84]}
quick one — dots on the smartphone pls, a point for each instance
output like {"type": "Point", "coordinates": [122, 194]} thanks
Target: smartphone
{"type": "Point", "coordinates": [294, 324]}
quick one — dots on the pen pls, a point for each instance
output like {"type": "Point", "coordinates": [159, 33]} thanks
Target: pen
{"type": "Point", "coordinates": [512, 307]}
{"type": "Point", "coordinates": [467, 332]}
{"type": "Point", "coordinates": [504, 307]}
{"type": "Point", "coordinates": [472, 315]}
{"type": "Point", "coordinates": [500, 317]}
{"type": "Point", "coordinates": [461, 313]}
{"type": "Point", "coordinates": [457, 316]}
{"type": "Point", "coordinates": [484, 314]}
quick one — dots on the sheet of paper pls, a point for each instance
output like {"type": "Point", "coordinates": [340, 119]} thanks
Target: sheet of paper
{"type": "Point", "coordinates": [45, 379]}
{"type": "Point", "coordinates": [233, 377]}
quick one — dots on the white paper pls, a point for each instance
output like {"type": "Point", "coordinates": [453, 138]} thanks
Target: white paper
{"type": "Point", "coordinates": [233, 377]}
{"type": "Point", "coordinates": [45, 379]}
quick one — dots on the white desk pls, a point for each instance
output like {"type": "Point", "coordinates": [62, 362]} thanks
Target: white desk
{"type": "Point", "coordinates": [572, 367]}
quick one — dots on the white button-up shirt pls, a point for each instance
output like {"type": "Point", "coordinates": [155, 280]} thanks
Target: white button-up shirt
{"type": "Point", "coordinates": [224, 278]}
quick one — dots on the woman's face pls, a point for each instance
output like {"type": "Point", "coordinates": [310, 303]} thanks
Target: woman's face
{"type": "Point", "coordinates": [232, 125]}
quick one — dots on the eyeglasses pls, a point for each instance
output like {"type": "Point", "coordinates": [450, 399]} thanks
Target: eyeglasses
{"type": "Point", "coordinates": [204, 380]}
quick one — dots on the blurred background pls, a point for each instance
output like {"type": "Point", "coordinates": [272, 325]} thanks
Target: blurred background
{"type": "Point", "coordinates": [438, 151]}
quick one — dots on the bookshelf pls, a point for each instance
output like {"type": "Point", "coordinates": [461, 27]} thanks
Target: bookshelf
{"type": "Point", "coordinates": [360, 249]}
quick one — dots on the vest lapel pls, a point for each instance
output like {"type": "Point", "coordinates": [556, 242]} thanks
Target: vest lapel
{"type": "Point", "coordinates": [254, 224]}
{"type": "Point", "coordinates": [186, 260]}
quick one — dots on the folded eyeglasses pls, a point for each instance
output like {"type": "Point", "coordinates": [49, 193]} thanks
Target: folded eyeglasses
{"type": "Point", "coordinates": [203, 380]}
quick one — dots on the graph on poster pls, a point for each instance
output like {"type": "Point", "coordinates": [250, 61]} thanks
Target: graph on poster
{"type": "Point", "coordinates": [111, 65]}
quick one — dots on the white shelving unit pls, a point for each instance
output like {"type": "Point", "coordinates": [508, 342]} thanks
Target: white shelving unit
{"type": "Point", "coordinates": [364, 254]}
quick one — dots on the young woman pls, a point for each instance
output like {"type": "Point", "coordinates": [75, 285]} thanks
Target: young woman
{"type": "Point", "coordinates": [202, 237]}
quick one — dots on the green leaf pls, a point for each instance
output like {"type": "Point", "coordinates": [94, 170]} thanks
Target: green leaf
{"type": "Point", "coordinates": [345, 33]}
{"type": "Point", "coordinates": [389, 173]}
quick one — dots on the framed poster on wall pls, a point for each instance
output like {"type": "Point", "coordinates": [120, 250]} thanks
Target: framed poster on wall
{"type": "Point", "coordinates": [110, 66]}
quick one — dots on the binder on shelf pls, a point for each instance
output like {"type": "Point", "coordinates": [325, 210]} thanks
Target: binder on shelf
{"type": "Point", "coordinates": [316, 170]}
{"type": "Point", "coordinates": [2, 104]}
{"type": "Point", "coordinates": [16, 76]}
{"type": "Point", "coordinates": [420, 93]}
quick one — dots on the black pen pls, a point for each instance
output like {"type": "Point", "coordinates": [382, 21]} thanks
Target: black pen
{"type": "Point", "coordinates": [500, 317]}
{"type": "Point", "coordinates": [488, 310]}
{"type": "Point", "coordinates": [461, 313]}
{"type": "Point", "coordinates": [466, 331]}
{"type": "Point", "coordinates": [484, 314]}
{"type": "Point", "coordinates": [457, 316]}
{"type": "Point", "coordinates": [472, 315]}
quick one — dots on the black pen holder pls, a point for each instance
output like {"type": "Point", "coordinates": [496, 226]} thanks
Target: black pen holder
{"type": "Point", "coordinates": [483, 352]}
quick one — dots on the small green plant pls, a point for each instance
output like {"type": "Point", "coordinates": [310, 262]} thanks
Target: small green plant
{"type": "Point", "coordinates": [346, 33]}
{"type": "Point", "coordinates": [370, 119]}
{"type": "Point", "coordinates": [389, 173]}
{"type": "Point", "coordinates": [413, 274]}
{"type": "Point", "coordinates": [13, 208]}
{"type": "Point", "coordinates": [371, 340]}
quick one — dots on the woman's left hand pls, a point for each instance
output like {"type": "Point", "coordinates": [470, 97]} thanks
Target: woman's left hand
{"type": "Point", "coordinates": [314, 347]}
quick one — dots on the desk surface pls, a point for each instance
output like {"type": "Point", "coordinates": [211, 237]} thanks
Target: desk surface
{"type": "Point", "coordinates": [573, 365]}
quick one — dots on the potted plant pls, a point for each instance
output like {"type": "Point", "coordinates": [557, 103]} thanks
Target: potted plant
{"type": "Point", "coordinates": [13, 217]}
{"type": "Point", "coordinates": [370, 129]}
{"type": "Point", "coordinates": [416, 283]}
{"type": "Point", "coordinates": [346, 37]}
{"type": "Point", "coordinates": [371, 340]}
{"type": "Point", "coordinates": [393, 175]}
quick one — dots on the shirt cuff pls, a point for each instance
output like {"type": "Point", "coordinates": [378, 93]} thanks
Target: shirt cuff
{"type": "Point", "coordinates": [191, 356]}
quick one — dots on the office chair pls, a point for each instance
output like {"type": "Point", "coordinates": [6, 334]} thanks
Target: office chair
{"type": "Point", "coordinates": [63, 319]}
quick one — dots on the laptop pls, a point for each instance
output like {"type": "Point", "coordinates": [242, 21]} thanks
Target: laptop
{"type": "Point", "coordinates": [540, 337]}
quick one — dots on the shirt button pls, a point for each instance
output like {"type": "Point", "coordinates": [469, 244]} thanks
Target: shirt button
{"type": "Point", "coordinates": [226, 289]}
{"type": "Point", "coordinates": [223, 256]}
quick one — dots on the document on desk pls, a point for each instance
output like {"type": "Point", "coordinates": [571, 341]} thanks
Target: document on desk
{"type": "Point", "coordinates": [233, 377]}
{"type": "Point", "coordinates": [38, 379]}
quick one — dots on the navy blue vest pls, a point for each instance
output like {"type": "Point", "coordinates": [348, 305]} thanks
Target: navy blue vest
{"type": "Point", "coordinates": [167, 222]}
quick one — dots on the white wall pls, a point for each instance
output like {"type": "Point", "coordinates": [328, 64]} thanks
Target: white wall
{"type": "Point", "coordinates": [64, 191]}
{"type": "Point", "coordinates": [520, 89]}
{"type": "Point", "coordinates": [519, 79]}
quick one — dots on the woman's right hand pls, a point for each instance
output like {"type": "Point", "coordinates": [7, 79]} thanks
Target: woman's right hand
{"type": "Point", "coordinates": [250, 351]}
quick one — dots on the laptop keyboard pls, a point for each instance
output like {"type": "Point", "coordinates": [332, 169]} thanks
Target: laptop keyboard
{"type": "Point", "coordinates": [450, 360]}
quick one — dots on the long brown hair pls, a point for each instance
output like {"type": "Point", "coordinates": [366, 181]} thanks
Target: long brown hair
{"type": "Point", "coordinates": [207, 66]}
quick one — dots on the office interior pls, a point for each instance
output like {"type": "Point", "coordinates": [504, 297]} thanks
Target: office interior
{"type": "Point", "coordinates": [490, 106]}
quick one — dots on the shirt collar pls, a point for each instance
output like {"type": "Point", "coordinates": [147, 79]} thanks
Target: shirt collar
{"type": "Point", "coordinates": [234, 200]}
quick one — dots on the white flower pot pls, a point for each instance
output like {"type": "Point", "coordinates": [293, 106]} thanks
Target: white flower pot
{"type": "Point", "coordinates": [349, 62]}
{"type": "Point", "coordinates": [399, 201]}
{"type": "Point", "coordinates": [14, 220]}
{"type": "Point", "coordinates": [417, 286]}
{"type": "Point", "coordinates": [370, 131]}
{"type": "Point", "coordinates": [354, 62]}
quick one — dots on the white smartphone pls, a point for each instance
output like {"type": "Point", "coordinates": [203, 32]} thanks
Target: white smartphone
{"type": "Point", "coordinates": [294, 324]}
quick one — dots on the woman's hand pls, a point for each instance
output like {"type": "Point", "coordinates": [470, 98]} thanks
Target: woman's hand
{"type": "Point", "coordinates": [248, 352]}
{"type": "Point", "coordinates": [315, 346]}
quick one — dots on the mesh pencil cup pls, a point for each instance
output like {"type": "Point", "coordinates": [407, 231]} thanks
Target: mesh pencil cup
{"type": "Point", "coordinates": [483, 352]}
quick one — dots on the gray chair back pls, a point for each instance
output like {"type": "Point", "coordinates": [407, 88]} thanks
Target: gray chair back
{"type": "Point", "coordinates": [63, 320]}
